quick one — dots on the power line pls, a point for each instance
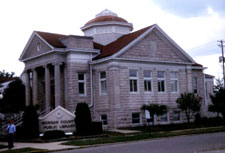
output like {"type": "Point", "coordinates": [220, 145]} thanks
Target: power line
{"type": "Point", "coordinates": [221, 45]}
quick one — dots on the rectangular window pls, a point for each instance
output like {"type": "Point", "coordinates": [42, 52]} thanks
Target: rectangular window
{"type": "Point", "coordinates": [161, 81]}
{"type": "Point", "coordinates": [164, 118]}
{"type": "Point", "coordinates": [195, 85]}
{"type": "Point", "coordinates": [133, 76]}
{"type": "Point", "coordinates": [174, 81]}
{"type": "Point", "coordinates": [104, 119]}
{"type": "Point", "coordinates": [82, 83]}
{"type": "Point", "coordinates": [102, 82]}
{"type": "Point", "coordinates": [135, 118]}
{"type": "Point", "coordinates": [176, 116]}
{"type": "Point", "coordinates": [148, 80]}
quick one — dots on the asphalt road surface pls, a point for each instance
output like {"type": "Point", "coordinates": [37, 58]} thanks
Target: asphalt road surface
{"type": "Point", "coordinates": [180, 144]}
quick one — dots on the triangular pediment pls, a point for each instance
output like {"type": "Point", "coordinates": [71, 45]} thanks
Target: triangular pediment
{"type": "Point", "coordinates": [35, 46]}
{"type": "Point", "coordinates": [57, 119]}
{"type": "Point", "coordinates": [154, 45]}
{"type": "Point", "coordinates": [58, 113]}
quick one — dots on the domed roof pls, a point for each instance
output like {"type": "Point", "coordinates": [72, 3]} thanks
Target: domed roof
{"type": "Point", "coordinates": [104, 16]}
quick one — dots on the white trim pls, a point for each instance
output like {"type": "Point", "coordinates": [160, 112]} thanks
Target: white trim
{"type": "Point", "coordinates": [54, 110]}
{"type": "Point", "coordinates": [100, 83]}
{"type": "Point", "coordinates": [85, 84]}
{"type": "Point", "coordinates": [134, 78]}
{"type": "Point", "coordinates": [175, 44]}
{"type": "Point", "coordinates": [152, 61]}
{"type": "Point", "coordinates": [138, 60]}
{"type": "Point", "coordinates": [44, 41]}
{"type": "Point", "coordinates": [131, 44]}
{"type": "Point", "coordinates": [34, 33]}
{"type": "Point", "coordinates": [161, 79]}
{"type": "Point", "coordinates": [105, 125]}
{"type": "Point", "coordinates": [134, 42]}
{"type": "Point", "coordinates": [148, 79]}
{"type": "Point", "coordinates": [97, 51]}
{"type": "Point", "coordinates": [174, 79]}
{"type": "Point", "coordinates": [27, 45]}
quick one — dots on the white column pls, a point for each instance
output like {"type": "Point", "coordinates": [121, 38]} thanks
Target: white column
{"type": "Point", "coordinates": [35, 87]}
{"type": "Point", "coordinates": [27, 88]}
{"type": "Point", "coordinates": [57, 80]}
{"type": "Point", "coordinates": [47, 89]}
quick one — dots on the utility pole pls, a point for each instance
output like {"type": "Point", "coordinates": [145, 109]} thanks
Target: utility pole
{"type": "Point", "coordinates": [221, 45]}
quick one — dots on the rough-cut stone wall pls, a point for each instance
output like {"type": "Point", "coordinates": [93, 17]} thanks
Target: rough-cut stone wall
{"type": "Point", "coordinates": [119, 103]}
{"type": "Point", "coordinates": [32, 49]}
{"type": "Point", "coordinates": [73, 97]}
{"type": "Point", "coordinates": [152, 47]}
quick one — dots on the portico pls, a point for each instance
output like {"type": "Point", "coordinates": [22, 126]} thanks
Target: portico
{"type": "Point", "coordinates": [44, 86]}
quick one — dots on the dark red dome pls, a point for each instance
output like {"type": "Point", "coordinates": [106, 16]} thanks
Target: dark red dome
{"type": "Point", "coordinates": [106, 18]}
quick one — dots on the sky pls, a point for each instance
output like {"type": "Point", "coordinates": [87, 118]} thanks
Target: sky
{"type": "Point", "coordinates": [195, 25]}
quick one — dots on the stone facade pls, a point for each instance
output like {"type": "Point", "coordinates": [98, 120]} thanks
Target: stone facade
{"type": "Point", "coordinates": [65, 70]}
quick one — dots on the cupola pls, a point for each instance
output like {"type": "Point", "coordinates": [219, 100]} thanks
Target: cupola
{"type": "Point", "coordinates": [106, 27]}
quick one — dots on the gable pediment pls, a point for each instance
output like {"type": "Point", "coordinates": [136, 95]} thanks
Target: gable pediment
{"type": "Point", "coordinates": [34, 47]}
{"type": "Point", "coordinates": [155, 46]}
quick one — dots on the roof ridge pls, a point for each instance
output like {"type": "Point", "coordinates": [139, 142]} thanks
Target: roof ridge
{"type": "Point", "coordinates": [121, 42]}
{"type": "Point", "coordinates": [52, 38]}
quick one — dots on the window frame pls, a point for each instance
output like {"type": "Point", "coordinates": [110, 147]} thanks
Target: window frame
{"type": "Point", "coordinates": [172, 79]}
{"type": "Point", "coordinates": [101, 80]}
{"type": "Point", "coordinates": [133, 79]}
{"type": "Point", "coordinates": [133, 119]}
{"type": "Point", "coordinates": [167, 117]}
{"type": "Point", "coordinates": [159, 80]}
{"type": "Point", "coordinates": [148, 79]}
{"type": "Point", "coordinates": [195, 84]}
{"type": "Point", "coordinates": [84, 84]}
{"type": "Point", "coordinates": [179, 116]}
{"type": "Point", "coordinates": [104, 121]}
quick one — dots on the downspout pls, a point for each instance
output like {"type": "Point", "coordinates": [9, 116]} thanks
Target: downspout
{"type": "Point", "coordinates": [91, 80]}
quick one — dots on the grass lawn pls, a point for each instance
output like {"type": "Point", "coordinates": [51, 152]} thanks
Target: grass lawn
{"type": "Point", "coordinates": [24, 150]}
{"type": "Point", "coordinates": [141, 136]}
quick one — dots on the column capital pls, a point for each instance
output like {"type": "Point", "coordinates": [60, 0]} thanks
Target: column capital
{"type": "Point", "coordinates": [57, 63]}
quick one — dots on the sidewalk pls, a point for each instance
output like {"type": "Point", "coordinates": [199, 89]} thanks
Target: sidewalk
{"type": "Point", "coordinates": [46, 146]}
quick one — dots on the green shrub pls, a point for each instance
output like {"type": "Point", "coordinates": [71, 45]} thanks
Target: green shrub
{"type": "Point", "coordinates": [30, 123]}
{"type": "Point", "coordinates": [54, 134]}
{"type": "Point", "coordinates": [96, 128]}
{"type": "Point", "coordinates": [83, 119]}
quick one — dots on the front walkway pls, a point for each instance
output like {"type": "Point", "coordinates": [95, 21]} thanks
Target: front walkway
{"type": "Point", "coordinates": [46, 146]}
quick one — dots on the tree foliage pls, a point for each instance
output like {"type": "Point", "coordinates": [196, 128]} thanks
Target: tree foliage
{"type": "Point", "coordinates": [83, 119]}
{"type": "Point", "coordinates": [13, 97]}
{"type": "Point", "coordinates": [218, 102]}
{"type": "Point", "coordinates": [6, 76]}
{"type": "Point", "coordinates": [190, 104]}
{"type": "Point", "coordinates": [155, 109]}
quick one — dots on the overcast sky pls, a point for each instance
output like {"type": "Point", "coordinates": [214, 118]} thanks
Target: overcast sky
{"type": "Point", "coordinates": [195, 25]}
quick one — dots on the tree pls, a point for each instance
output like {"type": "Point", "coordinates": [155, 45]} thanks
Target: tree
{"type": "Point", "coordinates": [13, 97]}
{"type": "Point", "coordinates": [155, 109]}
{"type": "Point", "coordinates": [190, 104]}
{"type": "Point", "coordinates": [218, 102]}
{"type": "Point", "coordinates": [83, 119]}
{"type": "Point", "coordinates": [6, 76]}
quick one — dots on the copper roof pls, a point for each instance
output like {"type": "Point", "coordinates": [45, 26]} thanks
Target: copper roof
{"type": "Point", "coordinates": [117, 45]}
{"type": "Point", "coordinates": [106, 18]}
{"type": "Point", "coordinates": [52, 39]}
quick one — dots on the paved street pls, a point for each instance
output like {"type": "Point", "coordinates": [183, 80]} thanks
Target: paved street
{"type": "Point", "coordinates": [181, 144]}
